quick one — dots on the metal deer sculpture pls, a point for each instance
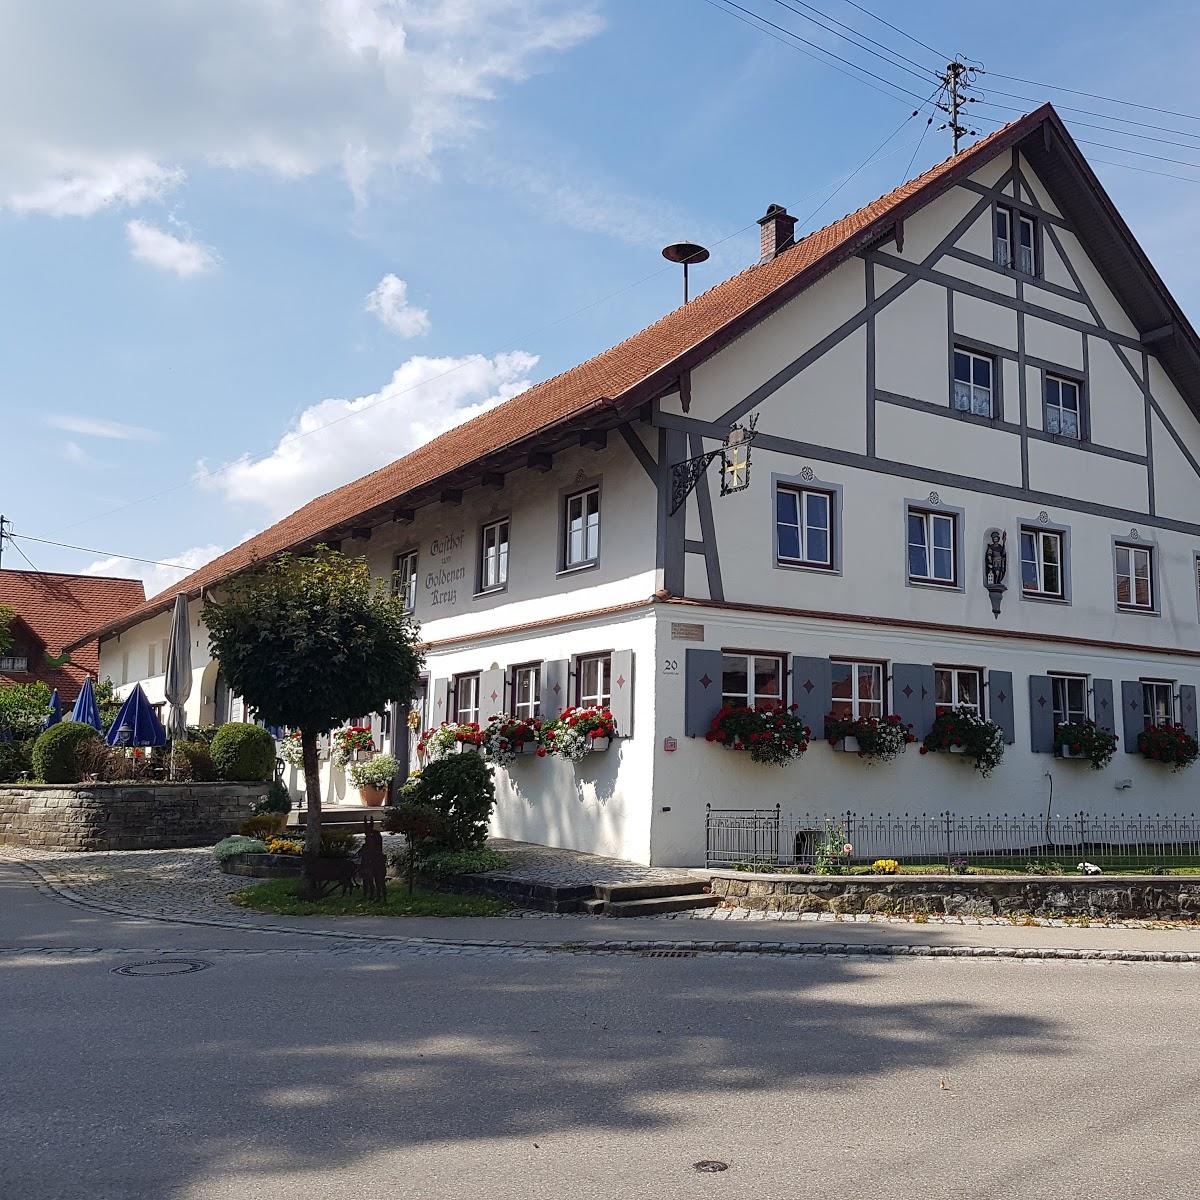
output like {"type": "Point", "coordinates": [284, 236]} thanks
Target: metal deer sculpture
{"type": "Point", "coordinates": [372, 865]}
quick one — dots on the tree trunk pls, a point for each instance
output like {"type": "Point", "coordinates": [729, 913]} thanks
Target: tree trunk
{"type": "Point", "coordinates": [312, 829]}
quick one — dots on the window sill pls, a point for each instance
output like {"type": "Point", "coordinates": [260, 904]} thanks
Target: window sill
{"type": "Point", "coordinates": [1137, 611]}
{"type": "Point", "coordinates": [1062, 439]}
{"type": "Point", "coordinates": [496, 591]}
{"type": "Point", "coordinates": [937, 585]}
{"type": "Point", "coordinates": [1045, 598]}
{"type": "Point", "coordinates": [784, 564]}
{"type": "Point", "coordinates": [574, 570]}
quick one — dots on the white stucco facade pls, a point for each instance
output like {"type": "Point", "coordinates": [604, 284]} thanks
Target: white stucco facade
{"type": "Point", "coordinates": [852, 382]}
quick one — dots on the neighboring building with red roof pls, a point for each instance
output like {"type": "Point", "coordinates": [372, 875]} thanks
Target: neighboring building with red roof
{"type": "Point", "coordinates": [53, 611]}
{"type": "Point", "coordinates": [983, 358]}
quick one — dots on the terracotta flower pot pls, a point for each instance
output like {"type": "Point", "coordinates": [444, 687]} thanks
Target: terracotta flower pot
{"type": "Point", "coordinates": [372, 797]}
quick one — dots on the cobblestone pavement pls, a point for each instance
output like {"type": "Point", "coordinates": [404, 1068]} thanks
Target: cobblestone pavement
{"type": "Point", "coordinates": [187, 884]}
{"type": "Point", "coordinates": [547, 864]}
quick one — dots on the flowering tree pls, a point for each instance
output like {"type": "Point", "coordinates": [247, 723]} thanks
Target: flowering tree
{"type": "Point", "coordinates": [311, 641]}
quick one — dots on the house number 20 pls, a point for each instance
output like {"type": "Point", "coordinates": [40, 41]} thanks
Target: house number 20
{"type": "Point", "coordinates": [670, 666]}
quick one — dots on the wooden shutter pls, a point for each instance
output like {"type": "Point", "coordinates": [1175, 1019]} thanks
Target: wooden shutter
{"type": "Point", "coordinates": [492, 701]}
{"type": "Point", "coordinates": [1104, 711]}
{"type": "Point", "coordinates": [702, 690]}
{"type": "Point", "coordinates": [811, 690]}
{"type": "Point", "coordinates": [622, 691]}
{"type": "Point", "coordinates": [1187, 707]}
{"type": "Point", "coordinates": [1000, 703]}
{"type": "Point", "coordinates": [1041, 714]}
{"type": "Point", "coordinates": [1133, 719]}
{"type": "Point", "coordinates": [556, 687]}
{"type": "Point", "coordinates": [912, 696]}
{"type": "Point", "coordinates": [439, 702]}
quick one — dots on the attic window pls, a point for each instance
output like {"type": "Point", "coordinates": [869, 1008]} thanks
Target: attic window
{"type": "Point", "coordinates": [1015, 240]}
{"type": "Point", "coordinates": [14, 662]}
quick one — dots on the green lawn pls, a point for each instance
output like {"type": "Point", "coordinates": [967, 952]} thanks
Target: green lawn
{"type": "Point", "coordinates": [279, 896]}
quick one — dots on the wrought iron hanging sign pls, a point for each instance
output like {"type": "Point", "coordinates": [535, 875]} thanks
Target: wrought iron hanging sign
{"type": "Point", "coordinates": [734, 454]}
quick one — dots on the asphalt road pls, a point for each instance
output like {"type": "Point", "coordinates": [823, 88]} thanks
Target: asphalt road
{"type": "Point", "coordinates": [297, 1067]}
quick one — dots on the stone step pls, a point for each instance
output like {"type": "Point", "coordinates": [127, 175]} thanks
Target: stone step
{"type": "Point", "coordinates": [653, 906]}
{"type": "Point", "coordinates": [648, 891]}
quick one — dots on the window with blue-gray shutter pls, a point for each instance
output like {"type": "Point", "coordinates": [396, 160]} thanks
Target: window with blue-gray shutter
{"type": "Point", "coordinates": [439, 702]}
{"type": "Point", "coordinates": [1041, 715]}
{"type": "Point", "coordinates": [1000, 703]}
{"type": "Point", "coordinates": [912, 696]}
{"type": "Point", "coordinates": [702, 690]}
{"type": "Point", "coordinates": [1104, 711]}
{"type": "Point", "coordinates": [492, 700]}
{"type": "Point", "coordinates": [1187, 707]}
{"type": "Point", "coordinates": [621, 705]}
{"type": "Point", "coordinates": [1133, 714]}
{"type": "Point", "coordinates": [812, 691]}
{"type": "Point", "coordinates": [556, 687]}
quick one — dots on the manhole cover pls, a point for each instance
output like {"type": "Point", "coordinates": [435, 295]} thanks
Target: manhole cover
{"type": "Point", "coordinates": [667, 953]}
{"type": "Point", "coordinates": [710, 1165]}
{"type": "Point", "coordinates": [163, 966]}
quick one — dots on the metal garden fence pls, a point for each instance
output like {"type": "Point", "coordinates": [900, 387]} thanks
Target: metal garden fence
{"type": "Point", "coordinates": [762, 838]}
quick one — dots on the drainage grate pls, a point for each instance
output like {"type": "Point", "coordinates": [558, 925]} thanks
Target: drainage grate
{"type": "Point", "coordinates": [667, 953]}
{"type": "Point", "coordinates": [710, 1165]}
{"type": "Point", "coordinates": [163, 966]}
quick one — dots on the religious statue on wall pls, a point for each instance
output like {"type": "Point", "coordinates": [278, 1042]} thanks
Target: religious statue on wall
{"type": "Point", "coordinates": [995, 567]}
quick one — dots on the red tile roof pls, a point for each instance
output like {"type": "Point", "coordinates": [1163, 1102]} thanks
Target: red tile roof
{"type": "Point", "coordinates": [617, 380]}
{"type": "Point", "coordinates": [59, 610]}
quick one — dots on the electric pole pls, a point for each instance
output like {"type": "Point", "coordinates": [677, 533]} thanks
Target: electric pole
{"type": "Point", "coordinates": [958, 77]}
{"type": "Point", "coordinates": [5, 525]}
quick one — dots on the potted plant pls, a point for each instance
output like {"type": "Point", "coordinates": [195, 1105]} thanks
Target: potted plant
{"type": "Point", "coordinates": [372, 778]}
{"type": "Point", "coordinates": [504, 738]}
{"type": "Point", "coordinates": [965, 731]}
{"type": "Point", "coordinates": [577, 732]}
{"type": "Point", "coordinates": [351, 745]}
{"type": "Point", "coordinates": [1168, 743]}
{"type": "Point", "coordinates": [1087, 741]}
{"type": "Point", "coordinates": [769, 735]}
{"type": "Point", "coordinates": [877, 738]}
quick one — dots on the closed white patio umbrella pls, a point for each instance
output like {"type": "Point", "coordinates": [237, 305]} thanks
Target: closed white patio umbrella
{"type": "Point", "coordinates": [178, 683]}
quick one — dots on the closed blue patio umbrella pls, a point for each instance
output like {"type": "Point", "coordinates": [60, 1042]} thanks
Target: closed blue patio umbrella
{"type": "Point", "coordinates": [55, 714]}
{"type": "Point", "coordinates": [86, 710]}
{"type": "Point", "coordinates": [136, 724]}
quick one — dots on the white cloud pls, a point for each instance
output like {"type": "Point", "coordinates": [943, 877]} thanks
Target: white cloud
{"type": "Point", "coordinates": [104, 105]}
{"type": "Point", "coordinates": [156, 578]}
{"type": "Point", "coordinates": [164, 250]}
{"type": "Point", "coordinates": [73, 452]}
{"type": "Point", "coordinates": [98, 428]}
{"type": "Point", "coordinates": [338, 440]}
{"type": "Point", "coordinates": [389, 302]}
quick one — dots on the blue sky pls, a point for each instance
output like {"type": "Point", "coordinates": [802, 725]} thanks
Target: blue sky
{"type": "Point", "coordinates": [224, 223]}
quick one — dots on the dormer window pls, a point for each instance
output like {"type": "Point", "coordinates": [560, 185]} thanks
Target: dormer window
{"type": "Point", "coordinates": [1015, 240]}
{"type": "Point", "coordinates": [14, 662]}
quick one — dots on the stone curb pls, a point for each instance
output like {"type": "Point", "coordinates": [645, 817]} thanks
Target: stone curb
{"type": "Point", "coordinates": [47, 881]}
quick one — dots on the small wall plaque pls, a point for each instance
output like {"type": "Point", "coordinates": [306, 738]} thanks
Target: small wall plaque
{"type": "Point", "coordinates": [670, 745]}
{"type": "Point", "coordinates": [682, 632]}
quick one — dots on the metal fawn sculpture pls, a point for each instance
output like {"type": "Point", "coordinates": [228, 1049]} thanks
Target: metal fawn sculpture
{"type": "Point", "coordinates": [372, 864]}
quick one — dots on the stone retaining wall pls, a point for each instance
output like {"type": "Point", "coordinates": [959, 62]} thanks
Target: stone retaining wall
{"type": "Point", "coordinates": [1114, 896]}
{"type": "Point", "coordinates": [263, 866]}
{"type": "Point", "coordinates": [124, 816]}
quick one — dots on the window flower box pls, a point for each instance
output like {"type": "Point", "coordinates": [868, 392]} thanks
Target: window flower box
{"type": "Point", "coordinates": [965, 732]}
{"type": "Point", "coordinates": [1070, 752]}
{"type": "Point", "coordinates": [877, 739]}
{"type": "Point", "coordinates": [849, 745]}
{"type": "Point", "coordinates": [577, 732]}
{"type": "Point", "coordinates": [958, 749]}
{"type": "Point", "coordinates": [1086, 741]}
{"type": "Point", "coordinates": [773, 736]}
{"type": "Point", "coordinates": [598, 744]}
{"type": "Point", "coordinates": [1170, 744]}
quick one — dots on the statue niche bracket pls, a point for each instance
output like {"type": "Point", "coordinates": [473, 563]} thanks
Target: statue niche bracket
{"type": "Point", "coordinates": [995, 567]}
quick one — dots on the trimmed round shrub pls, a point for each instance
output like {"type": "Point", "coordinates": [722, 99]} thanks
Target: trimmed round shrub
{"type": "Point", "coordinates": [15, 760]}
{"type": "Point", "coordinates": [245, 753]}
{"type": "Point", "coordinates": [460, 790]}
{"type": "Point", "coordinates": [54, 751]}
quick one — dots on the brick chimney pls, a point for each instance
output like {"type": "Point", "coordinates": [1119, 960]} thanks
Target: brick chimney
{"type": "Point", "coordinates": [778, 228]}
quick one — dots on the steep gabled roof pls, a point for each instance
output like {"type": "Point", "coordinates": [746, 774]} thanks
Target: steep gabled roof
{"type": "Point", "coordinates": [615, 383]}
{"type": "Point", "coordinates": [60, 610]}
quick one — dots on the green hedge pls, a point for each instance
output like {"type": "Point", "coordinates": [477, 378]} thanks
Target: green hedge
{"type": "Point", "coordinates": [54, 751]}
{"type": "Point", "coordinates": [245, 753]}
{"type": "Point", "coordinates": [15, 760]}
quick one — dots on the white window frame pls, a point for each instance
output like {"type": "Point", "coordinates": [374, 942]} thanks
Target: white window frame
{"type": "Point", "coordinates": [800, 497]}
{"type": "Point", "coordinates": [1030, 266]}
{"type": "Point", "coordinates": [406, 578]}
{"type": "Point", "coordinates": [1060, 695]}
{"type": "Point", "coordinates": [1008, 247]}
{"type": "Point", "coordinates": [1002, 243]}
{"type": "Point", "coordinates": [151, 657]}
{"type": "Point", "coordinates": [531, 708]}
{"type": "Point", "coordinates": [14, 662]}
{"type": "Point", "coordinates": [596, 693]}
{"type": "Point", "coordinates": [493, 559]}
{"type": "Point", "coordinates": [929, 519]}
{"type": "Point", "coordinates": [466, 685]}
{"type": "Point", "coordinates": [860, 705]}
{"type": "Point", "coordinates": [752, 697]}
{"type": "Point", "coordinates": [1152, 693]}
{"type": "Point", "coordinates": [1059, 382]}
{"type": "Point", "coordinates": [589, 530]}
{"type": "Point", "coordinates": [1134, 552]}
{"type": "Point", "coordinates": [956, 677]}
{"type": "Point", "coordinates": [971, 388]}
{"type": "Point", "coordinates": [1040, 537]}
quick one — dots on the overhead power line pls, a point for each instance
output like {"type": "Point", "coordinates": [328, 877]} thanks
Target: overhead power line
{"type": "Point", "coordinates": [27, 537]}
{"type": "Point", "coordinates": [1058, 87]}
{"type": "Point", "coordinates": [897, 29]}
